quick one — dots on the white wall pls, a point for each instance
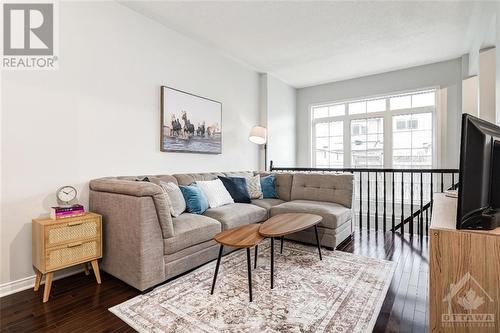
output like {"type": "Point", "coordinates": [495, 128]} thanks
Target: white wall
{"type": "Point", "coordinates": [487, 84]}
{"type": "Point", "coordinates": [263, 91]}
{"type": "Point", "coordinates": [470, 95]}
{"type": "Point", "coordinates": [280, 122]}
{"type": "Point", "coordinates": [99, 115]}
{"type": "Point", "coordinates": [446, 75]}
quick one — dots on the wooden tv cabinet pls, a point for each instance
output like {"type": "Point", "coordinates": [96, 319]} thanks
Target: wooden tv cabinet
{"type": "Point", "coordinates": [464, 291]}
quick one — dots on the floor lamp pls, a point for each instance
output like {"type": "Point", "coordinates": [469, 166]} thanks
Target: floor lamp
{"type": "Point", "coordinates": [258, 135]}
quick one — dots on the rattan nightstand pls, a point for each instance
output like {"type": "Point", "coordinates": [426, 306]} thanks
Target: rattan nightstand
{"type": "Point", "coordinates": [59, 244]}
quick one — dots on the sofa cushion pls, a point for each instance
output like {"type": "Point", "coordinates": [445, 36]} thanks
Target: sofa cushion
{"type": "Point", "coordinates": [283, 184]}
{"type": "Point", "coordinates": [236, 214]}
{"type": "Point", "coordinates": [267, 203]}
{"type": "Point", "coordinates": [335, 188]}
{"type": "Point", "coordinates": [189, 178]}
{"type": "Point", "coordinates": [334, 215]}
{"type": "Point", "coordinates": [189, 230]}
{"type": "Point", "coordinates": [241, 174]}
{"type": "Point", "coordinates": [164, 178]}
{"type": "Point", "coordinates": [328, 237]}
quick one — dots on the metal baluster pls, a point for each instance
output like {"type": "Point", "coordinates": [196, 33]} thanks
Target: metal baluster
{"type": "Point", "coordinates": [421, 221]}
{"type": "Point", "coordinates": [402, 204]}
{"type": "Point", "coordinates": [411, 203]}
{"type": "Point", "coordinates": [393, 203]}
{"type": "Point", "coordinates": [385, 208]}
{"type": "Point", "coordinates": [427, 221]}
{"type": "Point", "coordinates": [368, 203]}
{"type": "Point", "coordinates": [426, 207]}
{"type": "Point", "coordinates": [376, 201]}
{"type": "Point", "coordinates": [360, 201]}
{"type": "Point", "coordinates": [442, 183]}
{"type": "Point", "coordinates": [432, 191]}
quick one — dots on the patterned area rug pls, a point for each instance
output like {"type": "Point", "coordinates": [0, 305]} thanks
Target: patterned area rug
{"type": "Point", "coordinates": [342, 293]}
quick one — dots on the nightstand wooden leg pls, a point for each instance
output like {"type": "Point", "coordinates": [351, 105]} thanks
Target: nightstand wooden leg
{"type": "Point", "coordinates": [86, 268]}
{"type": "Point", "coordinates": [95, 268]}
{"type": "Point", "coordinates": [38, 278]}
{"type": "Point", "coordinates": [48, 285]}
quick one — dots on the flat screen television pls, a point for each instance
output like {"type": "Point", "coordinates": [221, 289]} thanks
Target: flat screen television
{"type": "Point", "coordinates": [479, 175]}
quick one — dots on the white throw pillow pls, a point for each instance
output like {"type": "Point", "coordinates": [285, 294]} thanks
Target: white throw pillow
{"type": "Point", "coordinates": [175, 198]}
{"type": "Point", "coordinates": [216, 192]}
{"type": "Point", "coordinates": [254, 188]}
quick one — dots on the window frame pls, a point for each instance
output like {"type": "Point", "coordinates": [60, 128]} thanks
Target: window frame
{"type": "Point", "coordinates": [329, 138]}
{"type": "Point", "coordinates": [387, 116]}
{"type": "Point", "coordinates": [433, 134]}
{"type": "Point", "coordinates": [372, 116]}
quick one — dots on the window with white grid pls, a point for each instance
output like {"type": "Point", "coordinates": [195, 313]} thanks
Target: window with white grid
{"type": "Point", "coordinates": [330, 144]}
{"type": "Point", "coordinates": [395, 130]}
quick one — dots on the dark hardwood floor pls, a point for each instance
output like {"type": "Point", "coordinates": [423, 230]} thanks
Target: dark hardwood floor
{"type": "Point", "coordinates": [405, 307]}
{"type": "Point", "coordinates": [78, 304]}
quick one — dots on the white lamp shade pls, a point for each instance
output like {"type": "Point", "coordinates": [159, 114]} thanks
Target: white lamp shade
{"type": "Point", "coordinates": [258, 135]}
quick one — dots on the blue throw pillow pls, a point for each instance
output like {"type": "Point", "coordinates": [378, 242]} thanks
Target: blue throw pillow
{"type": "Point", "coordinates": [268, 185]}
{"type": "Point", "coordinates": [237, 188]}
{"type": "Point", "coordinates": [196, 202]}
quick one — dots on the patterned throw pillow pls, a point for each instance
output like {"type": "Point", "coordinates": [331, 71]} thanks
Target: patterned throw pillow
{"type": "Point", "coordinates": [175, 198]}
{"type": "Point", "coordinates": [215, 192]}
{"type": "Point", "coordinates": [253, 186]}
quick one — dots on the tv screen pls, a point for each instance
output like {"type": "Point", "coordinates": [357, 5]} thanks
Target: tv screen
{"type": "Point", "coordinates": [479, 175]}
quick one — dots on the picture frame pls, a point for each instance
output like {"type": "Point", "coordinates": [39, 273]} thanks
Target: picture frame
{"type": "Point", "coordinates": [189, 123]}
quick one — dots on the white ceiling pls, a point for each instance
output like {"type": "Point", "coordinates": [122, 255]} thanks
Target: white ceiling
{"type": "Point", "coordinates": [307, 42]}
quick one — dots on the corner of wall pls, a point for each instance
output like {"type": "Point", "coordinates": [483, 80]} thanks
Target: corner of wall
{"type": "Point", "coordinates": [277, 104]}
{"type": "Point", "coordinates": [263, 97]}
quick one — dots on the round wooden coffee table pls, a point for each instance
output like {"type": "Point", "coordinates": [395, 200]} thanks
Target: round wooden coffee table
{"type": "Point", "coordinates": [284, 224]}
{"type": "Point", "coordinates": [246, 236]}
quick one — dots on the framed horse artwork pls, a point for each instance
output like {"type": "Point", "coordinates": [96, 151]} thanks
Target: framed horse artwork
{"type": "Point", "coordinates": [190, 123]}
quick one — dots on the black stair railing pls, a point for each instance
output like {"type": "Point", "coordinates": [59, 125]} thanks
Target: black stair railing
{"type": "Point", "coordinates": [401, 199]}
{"type": "Point", "coordinates": [424, 210]}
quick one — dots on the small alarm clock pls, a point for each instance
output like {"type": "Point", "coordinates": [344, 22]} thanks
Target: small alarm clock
{"type": "Point", "coordinates": [66, 196]}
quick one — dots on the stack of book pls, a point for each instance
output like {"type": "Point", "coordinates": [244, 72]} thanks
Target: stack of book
{"type": "Point", "coordinates": [65, 212]}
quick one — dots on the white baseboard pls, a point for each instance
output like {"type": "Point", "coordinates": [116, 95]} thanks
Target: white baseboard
{"type": "Point", "coordinates": [29, 282]}
{"type": "Point", "coordinates": [18, 285]}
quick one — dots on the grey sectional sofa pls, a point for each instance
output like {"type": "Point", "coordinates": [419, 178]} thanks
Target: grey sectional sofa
{"type": "Point", "coordinates": [144, 245]}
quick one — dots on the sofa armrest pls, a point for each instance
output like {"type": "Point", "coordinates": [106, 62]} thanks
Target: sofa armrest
{"type": "Point", "coordinates": [123, 186]}
{"type": "Point", "coordinates": [139, 189]}
{"type": "Point", "coordinates": [133, 248]}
